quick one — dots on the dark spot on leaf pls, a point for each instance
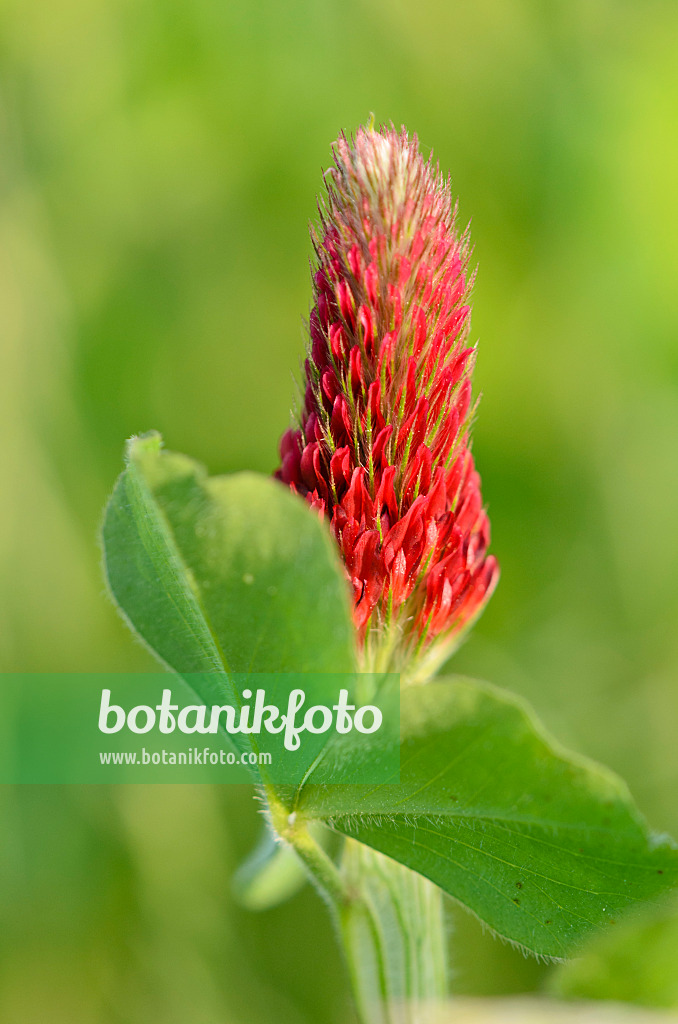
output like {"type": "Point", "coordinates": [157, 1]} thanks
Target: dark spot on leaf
{"type": "Point", "coordinates": [548, 922]}
{"type": "Point", "coordinates": [519, 885]}
{"type": "Point", "coordinates": [659, 871]}
{"type": "Point", "coordinates": [516, 901]}
{"type": "Point", "coordinates": [612, 921]}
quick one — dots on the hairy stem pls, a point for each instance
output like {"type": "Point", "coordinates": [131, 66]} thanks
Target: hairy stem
{"type": "Point", "coordinates": [322, 870]}
{"type": "Point", "coordinates": [393, 934]}
{"type": "Point", "coordinates": [389, 921]}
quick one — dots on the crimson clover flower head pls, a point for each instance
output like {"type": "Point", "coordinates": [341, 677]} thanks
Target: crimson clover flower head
{"type": "Point", "coordinates": [381, 447]}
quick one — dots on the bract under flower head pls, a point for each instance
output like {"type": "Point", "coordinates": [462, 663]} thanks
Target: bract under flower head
{"type": "Point", "coordinates": [382, 445]}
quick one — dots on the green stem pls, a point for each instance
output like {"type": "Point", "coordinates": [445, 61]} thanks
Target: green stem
{"type": "Point", "coordinates": [394, 939]}
{"type": "Point", "coordinates": [389, 921]}
{"type": "Point", "coordinates": [321, 869]}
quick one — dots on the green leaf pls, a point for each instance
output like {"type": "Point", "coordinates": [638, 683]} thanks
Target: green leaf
{"type": "Point", "coordinates": [543, 846]}
{"type": "Point", "coordinates": [636, 962]}
{"type": "Point", "coordinates": [223, 574]}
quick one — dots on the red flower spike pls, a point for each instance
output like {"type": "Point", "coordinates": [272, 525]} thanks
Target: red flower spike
{"type": "Point", "coordinates": [383, 451]}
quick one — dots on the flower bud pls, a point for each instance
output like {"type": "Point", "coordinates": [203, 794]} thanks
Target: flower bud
{"type": "Point", "coordinates": [382, 444]}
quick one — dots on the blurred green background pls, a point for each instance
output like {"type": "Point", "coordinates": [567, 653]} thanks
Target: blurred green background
{"type": "Point", "coordinates": [158, 166]}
